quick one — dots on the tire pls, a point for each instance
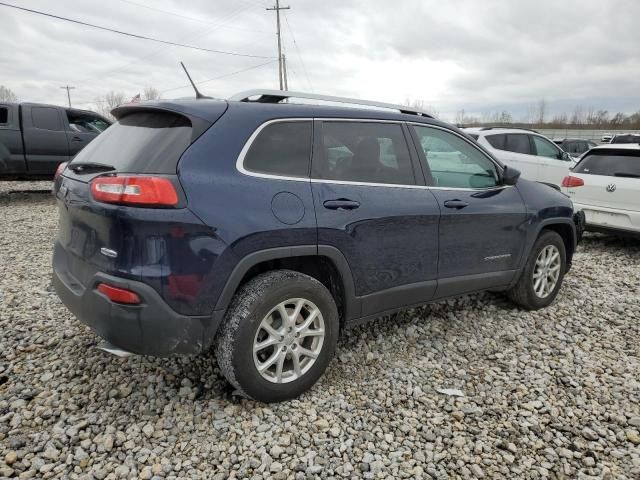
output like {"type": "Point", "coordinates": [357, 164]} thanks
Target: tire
{"type": "Point", "coordinates": [524, 293]}
{"type": "Point", "coordinates": [254, 318]}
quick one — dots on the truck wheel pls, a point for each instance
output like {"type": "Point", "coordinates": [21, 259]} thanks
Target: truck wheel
{"type": "Point", "coordinates": [542, 276]}
{"type": "Point", "coordinates": [278, 336]}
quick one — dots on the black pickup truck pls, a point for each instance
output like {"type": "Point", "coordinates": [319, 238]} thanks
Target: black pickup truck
{"type": "Point", "coordinates": [36, 138]}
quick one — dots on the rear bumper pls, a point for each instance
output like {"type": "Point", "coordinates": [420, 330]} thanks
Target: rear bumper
{"type": "Point", "coordinates": [610, 219]}
{"type": "Point", "coordinates": [151, 328]}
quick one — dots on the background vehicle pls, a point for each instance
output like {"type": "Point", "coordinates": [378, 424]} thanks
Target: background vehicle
{"type": "Point", "coordinates": [265, 228]}
{"type": "Point", "coordinates": [605, 185]}
{"type": "Point", "coordinates": [537, 157]}
{"type": "Point", "coordinates": [575, 147]}
{"type": "Point", "coordinates": [36, 138]}
{"type": "Point", "coordinates": [622, 138]}
{"type": "Point", "coordinates": [606, 138]}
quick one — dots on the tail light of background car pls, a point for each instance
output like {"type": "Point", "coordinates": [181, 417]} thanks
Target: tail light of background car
{"type": "Point", "coordinates": [570, 181]}
{"type": "Point", "coordinates": [60, 169]}
{"type": "Point", "coordinates": [134, 190]}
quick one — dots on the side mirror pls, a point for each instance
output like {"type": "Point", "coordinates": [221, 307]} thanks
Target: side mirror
{"type": "Point", "coordinates": [510, 176]}
{"type": "Point", "coordinates": [564, 156]}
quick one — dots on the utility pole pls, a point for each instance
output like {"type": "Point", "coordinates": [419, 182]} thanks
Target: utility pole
{"type": "Point", "coordinates": [281, 72]}
{"type": "Point", "coordinates": [284, 71]}
{"type": "Point", "coordinates": [68, 88]}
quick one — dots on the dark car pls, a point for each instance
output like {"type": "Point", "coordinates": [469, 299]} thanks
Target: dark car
{"type": "Point", "coordinates": [264, 228]}
{"type": "Point", "coordinates": [36, 138]}
{"type": "Point", "coordinates": [575, 147]}
{"type": "Point", "coordinates": [626, 138]}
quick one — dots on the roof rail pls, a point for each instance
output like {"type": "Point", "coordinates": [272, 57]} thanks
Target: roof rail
{"type": "Point", "coordinates": [509, 128]}
{"type": "Point", "coordinates": [276, 96]}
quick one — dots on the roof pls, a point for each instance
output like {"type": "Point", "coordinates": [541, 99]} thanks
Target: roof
{"type": "Point", "coordinates": [498, 130]}
{"type": "Point", "coordinates": [617, 146]}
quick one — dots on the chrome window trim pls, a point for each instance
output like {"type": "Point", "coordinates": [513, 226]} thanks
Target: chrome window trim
{"type": "Point", "coordinates": [252, 137]}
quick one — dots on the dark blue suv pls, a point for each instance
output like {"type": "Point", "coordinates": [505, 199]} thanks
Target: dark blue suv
{"type": "Point", "coordinates": [262, 228]}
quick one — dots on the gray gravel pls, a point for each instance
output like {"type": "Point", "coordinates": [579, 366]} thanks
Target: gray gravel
{"type": "Point", "coordinates": [549, 394]}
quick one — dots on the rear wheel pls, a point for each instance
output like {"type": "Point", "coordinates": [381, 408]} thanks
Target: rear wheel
{"type": "Point", "coordinates": [279, 335]}
{"type": "Point", "coordinates": [543, 273]}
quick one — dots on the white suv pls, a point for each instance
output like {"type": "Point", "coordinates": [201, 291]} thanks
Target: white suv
{"type": "Point", "coordinates": [605, 185]}
{"type": "Point", "coordinates": [537, 157]}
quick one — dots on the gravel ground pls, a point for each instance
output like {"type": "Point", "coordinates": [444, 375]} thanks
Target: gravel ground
{"type": "Point", "coordinates": [549, 394]}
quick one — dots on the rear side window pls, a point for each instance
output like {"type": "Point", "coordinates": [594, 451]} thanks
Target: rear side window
{"type": "Point", "coordinates": [4, 115]}
{"type": "Point", "coordinates": [46, 118]}
{"type": "Point", "coordinates": [369, 152]}
{"type": "Point", "coordinates": [518, 143]}
{"type": "Point", "coordinates": [281, 148]}
{"type": "Point", "coordinates": [613, 164]}
{"type": "Point", "coordinates": [143, 142]}
{"type": "Point", "coordinates": [497, 141]}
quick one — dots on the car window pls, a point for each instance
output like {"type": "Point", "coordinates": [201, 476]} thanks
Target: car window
{"type": "Point", "coordinates": [544, 148]}
{"type": "Point", "coordinates": [86, 123]}
{"type": "Point", "coordinates": [4, 115]}
{"type": "Point", "coordinates": [281, 148]}
{"type": "Point", "coordinates": [611, 163]}
{"type": "Point", "coordinates": [628, 138]}
{"type": "Point", "coordinates": [497, 141]}
{"type": "Point", "coordinates": [368, 152]}
{"type": "Point", "coordinates": [518, 143]}
{"type": "Point", "coordinates": [455, 162]}
{"type": "Point", "coordinates": [46, 118]}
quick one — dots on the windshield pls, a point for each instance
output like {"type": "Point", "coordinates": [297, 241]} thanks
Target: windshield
{"type": "Point", "coordinates": [613, 164]}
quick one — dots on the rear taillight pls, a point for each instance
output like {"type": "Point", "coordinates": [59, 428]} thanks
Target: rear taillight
{"type": "Point", "coordinates": [134, 190]}
{"type": "Point", "coordinates": [119, 295]}
{"type": "Point", "coordinates": [570, 181]}
{"type": "Point", "coordinates": [60, 169]}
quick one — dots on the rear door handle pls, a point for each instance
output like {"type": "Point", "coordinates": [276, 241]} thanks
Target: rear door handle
{"type": "Point", "coordinates": [341, 204]}
{"type": "Point", "coordinates": [457, 204]}
{"type": "Point", "coordinates": [76, 139]}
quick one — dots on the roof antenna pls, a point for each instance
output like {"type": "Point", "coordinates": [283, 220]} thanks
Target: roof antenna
{"type": "Point", "coordinates": [199, 96]}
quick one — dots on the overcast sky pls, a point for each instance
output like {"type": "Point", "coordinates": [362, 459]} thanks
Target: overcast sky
{"type": "Point", "coordinates": [476, 55]}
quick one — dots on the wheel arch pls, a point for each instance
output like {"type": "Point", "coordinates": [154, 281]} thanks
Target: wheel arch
{"type": "Point", "coordinates": [324, 263]}
{"type": "Point", "coordinates": [567, 231]}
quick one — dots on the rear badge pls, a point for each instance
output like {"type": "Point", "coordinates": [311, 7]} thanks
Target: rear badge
{"type": "Point", "coordinates": [611, 187]}
{"type": "Point", "coordinates": [107, 252]}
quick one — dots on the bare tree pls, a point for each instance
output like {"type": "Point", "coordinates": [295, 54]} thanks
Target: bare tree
{"type": "Point", "coordinates": [108, 102]}
{"type": "Point", "coordinates": [541, 111]}
{"type": "Point", "coordinates": [151, 93]}
{"type": "Point", "coordinates": [460, 118]}
{"type": "Point", "coordinates": [7, 95]}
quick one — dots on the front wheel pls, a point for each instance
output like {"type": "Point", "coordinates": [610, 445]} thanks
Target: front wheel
{"type": "Point", "coordinates": [543, 273]}
{"type": "Point", "coordinates": [279, 335]}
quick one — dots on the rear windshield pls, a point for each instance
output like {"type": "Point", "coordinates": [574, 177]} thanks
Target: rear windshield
{"type": "Point", "coordinates": [613, 164]}
{"type": "Point", "coordinates": [143, 142]}
{"type": "Point", "coordinates": [626, 139]}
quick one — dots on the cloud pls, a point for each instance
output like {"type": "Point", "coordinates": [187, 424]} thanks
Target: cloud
{"type": "Point", "coordinates": [480, 56]}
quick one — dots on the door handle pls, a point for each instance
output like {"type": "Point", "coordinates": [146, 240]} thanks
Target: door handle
{"type": "Point", "coordinates": [76, 139]}
{"type": "Point", "coordinates": [457, 204]}
{"type": "Point", "coordinates": [341, 204]}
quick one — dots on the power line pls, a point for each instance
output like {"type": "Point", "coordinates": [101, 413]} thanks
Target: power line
{"type": "Point", "coordinates": [222, 76]}
{"type": "Point", "coordinates": [304, 67]}
{"type": "Point", "coordinates": [194, 19]}
{"type": "Point", "coordinates": [142, 37]}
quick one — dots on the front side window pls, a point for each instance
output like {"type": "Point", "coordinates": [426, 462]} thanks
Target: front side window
{"type": "Point", "coordinates": [85, 123]}
{"type": "Point", "coordinates": [281, 148]}
{"type": "Point", "coordinates": [46, 118]}
{"type": "Point", "coordinates": [545, 148]}
{"type": "Point", "coordinates": [454, 162]}
{"type": "Point", "coordinates": [4, 115]}
{"type": "Point", "coordinates": [368, 152]}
